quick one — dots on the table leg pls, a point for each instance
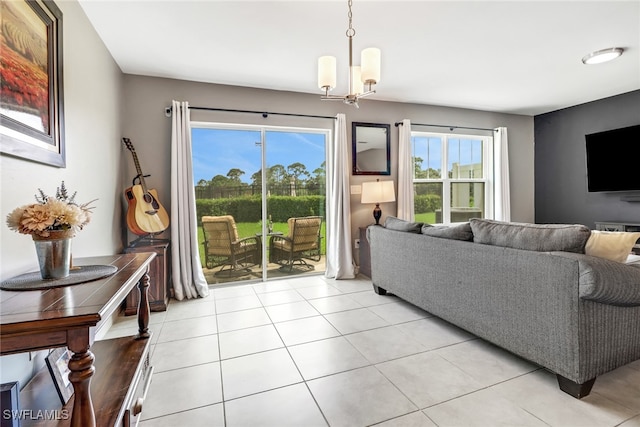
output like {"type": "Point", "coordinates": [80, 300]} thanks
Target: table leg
{"type": "Point", "coordinates": [81, 370]}
{"type": "Point", "coordinates": [143, 307]}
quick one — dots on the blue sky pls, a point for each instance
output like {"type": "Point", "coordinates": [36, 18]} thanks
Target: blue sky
{"type": "Point", "coordinates": [215, 151]}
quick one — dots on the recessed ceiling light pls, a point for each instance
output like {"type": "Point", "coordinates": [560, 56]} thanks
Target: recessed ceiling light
{"type": "Point", "coordinates": [603, 55]}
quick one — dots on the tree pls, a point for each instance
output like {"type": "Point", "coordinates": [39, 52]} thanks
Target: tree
{"type": "Point", "coordinates": [319, 176]}
{"type": "Point", "coordinates": [429, 173]}
{"type": "Point", "coordinates": [235, 174]}
{"type": "Point", "coordinates": [296, 170]}
{"type": "Point", "coordinates": [202, 183]}
{"type": "Point", "coordinates": [417, 167]}
{"type": "Point", "coordinates": [276, 174]}
{"type": "Point", "coordinates": [220, 181]}
{"type": "Point", "coordinates": [434, 173]}
{"type": "Point", "coordinates": [256, 179]}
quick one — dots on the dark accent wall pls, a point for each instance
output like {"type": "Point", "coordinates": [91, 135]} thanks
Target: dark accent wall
{"type": "Point", "coordinates": [561, 194]}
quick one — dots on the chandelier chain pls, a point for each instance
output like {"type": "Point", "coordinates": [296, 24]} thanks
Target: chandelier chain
{"type": "Point", "coordinates": [350, 31]}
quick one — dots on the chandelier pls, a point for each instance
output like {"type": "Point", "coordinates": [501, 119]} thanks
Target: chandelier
{"type": "Point", "coordinates": [367, 74]}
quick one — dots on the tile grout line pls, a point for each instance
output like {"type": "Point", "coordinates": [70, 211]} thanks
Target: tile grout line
{"type": "Point", "coordinates": [286, 347]}
{"type": "Point", "coordinates": [340, 335]}
{"type": "Point", "coordinates": [224, 407]}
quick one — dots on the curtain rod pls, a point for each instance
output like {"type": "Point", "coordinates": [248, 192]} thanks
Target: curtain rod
{"type": "Point", "coordinates": [265, 114]}
{"type": "Point", "coordinates": [446, 126]}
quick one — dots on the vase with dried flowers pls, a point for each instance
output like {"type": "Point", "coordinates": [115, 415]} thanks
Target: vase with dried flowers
{"type": "Point", "coordinates": [52, 222]}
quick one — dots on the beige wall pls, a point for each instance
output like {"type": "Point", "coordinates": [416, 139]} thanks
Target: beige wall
{"type": "Point", "coordinates": [92, 103]}
{"type": "Point", "coordinates": [145, 99]}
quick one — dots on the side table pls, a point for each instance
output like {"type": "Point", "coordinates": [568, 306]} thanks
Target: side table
{"type": "Point", "coordinates": [159, 273]}
{"type": "Point", "coordinates": [365, 254]}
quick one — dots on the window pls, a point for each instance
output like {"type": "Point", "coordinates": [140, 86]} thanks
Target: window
{"type": "Point", "coordinates": [452, 177]}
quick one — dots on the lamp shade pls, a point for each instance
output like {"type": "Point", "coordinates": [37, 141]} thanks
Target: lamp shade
{"type": "Point", "coordinates": [378, 192]}
{"type": "Point", "coordinates": [327, 72]}
{"type": "Point", "coordinates": [370, 63]}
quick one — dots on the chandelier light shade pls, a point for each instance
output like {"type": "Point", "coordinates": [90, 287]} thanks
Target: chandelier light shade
{"type": "Point", "coordinates": [378, 192]}
{"type": "Point", "coordinates": [370, 62]}
{"type": "Point", "coordinates": [368, 73]}
{"type": "Point", "coordinates": [327, 72]}
{"type": "Point", "coordinates": [356, 78]}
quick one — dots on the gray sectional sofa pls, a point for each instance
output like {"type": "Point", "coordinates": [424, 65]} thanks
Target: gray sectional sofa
{"type": "Point", "coordinates": [527, 288]}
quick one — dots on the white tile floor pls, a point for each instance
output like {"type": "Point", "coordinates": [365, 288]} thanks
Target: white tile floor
{"type": "Point", "coordinates": [315, 352]}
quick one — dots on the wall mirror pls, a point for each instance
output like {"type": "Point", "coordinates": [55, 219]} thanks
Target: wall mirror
{"type": "Point", "coordinates": [371, 148]}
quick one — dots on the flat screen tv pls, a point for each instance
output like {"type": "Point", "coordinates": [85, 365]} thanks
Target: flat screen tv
{"type": "Point", "coordinates": [613, 160]}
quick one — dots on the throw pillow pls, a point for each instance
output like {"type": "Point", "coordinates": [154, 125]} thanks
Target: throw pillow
{"type": "Point", "coordinates": [613, 245]}
{"type": "Point", "coordinates": [531, 237]}
{"type": "Point", "coordinates": [456, 232]}
{"type": "Point", "coordinates": [393, 223]}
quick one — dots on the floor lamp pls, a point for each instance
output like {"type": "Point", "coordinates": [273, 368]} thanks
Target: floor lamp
{"type": "Point", "coordinates": [378, 192]}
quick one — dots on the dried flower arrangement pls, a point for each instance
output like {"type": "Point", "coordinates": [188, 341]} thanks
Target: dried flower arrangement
{"type": "Point", "coordinates": [50, 214]}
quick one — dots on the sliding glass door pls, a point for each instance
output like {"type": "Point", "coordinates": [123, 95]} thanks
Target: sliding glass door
{"type": "Point", "coordinates": [260, 201]}
{"type": "Point", "coordinates": [295, 202]}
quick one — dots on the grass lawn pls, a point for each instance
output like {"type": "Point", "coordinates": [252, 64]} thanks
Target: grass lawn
{"type": "Point", "coordinates": [427, 217]}
{"type": "Point", "coordinates": [251, 229]}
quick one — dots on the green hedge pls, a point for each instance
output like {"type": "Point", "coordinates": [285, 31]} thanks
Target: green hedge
{"type": "Point", "coordinates": [249, 208]}
{"type": "Point", "coordinates": [427, 203]}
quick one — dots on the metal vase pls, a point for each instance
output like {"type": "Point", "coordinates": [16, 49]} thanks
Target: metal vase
{"type": "Point", "coordinates": [54, 255]}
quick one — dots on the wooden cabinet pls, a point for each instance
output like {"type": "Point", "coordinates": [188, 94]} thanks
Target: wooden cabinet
{"type": "Point", "coordinates": [109, 377]}
{"type": "Point", "coordinates": [159, 273]}
{"type": "Point", "coordinates": [621, 226]}
{"type": "Point", "coordinates": [365, 254]}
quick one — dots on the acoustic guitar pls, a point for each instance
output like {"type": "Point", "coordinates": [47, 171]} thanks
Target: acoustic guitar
{"type": "Point", "coordinates": [145, 214]}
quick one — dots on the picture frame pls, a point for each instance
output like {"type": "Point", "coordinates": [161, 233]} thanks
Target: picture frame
{"type": "Point", "coordinates": [31, 111]}
{"type": "Point", "coordinates": [10, 404]}
{"type": "Point", "coordinates": [58, 364]}
{"type": "Point", "coordinates": [371, 148]}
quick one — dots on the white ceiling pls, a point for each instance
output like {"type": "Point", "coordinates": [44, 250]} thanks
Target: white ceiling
{"type": "Point", "coordinates": [513, 56]}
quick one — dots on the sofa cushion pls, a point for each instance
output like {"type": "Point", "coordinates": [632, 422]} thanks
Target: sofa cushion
{"type": "Point", "coordinates": [613, 245]}
{"type": "Point", "coordinates": [456, 232]}
{"type": "Point", "coordinates": [531, 237]}
{"type": "Point", "coordinates": [397, 224]}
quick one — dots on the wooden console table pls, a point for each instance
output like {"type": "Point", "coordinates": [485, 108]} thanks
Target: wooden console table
{"type": "Point", "coordinates": [44, 319]}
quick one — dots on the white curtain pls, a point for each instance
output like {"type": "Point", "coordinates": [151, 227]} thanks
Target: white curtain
{"type": "Point", "coordinates": [340, 263]}
{"type": "Point", "coordinates": [502, 198]}
{"type": "Point", "coordinates": [188, 278]}
{"type": "Point", "coordinates": [405, 173]}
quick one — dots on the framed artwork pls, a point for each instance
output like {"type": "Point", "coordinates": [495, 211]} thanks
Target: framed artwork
{"type": "Point", "coordinates": [58, 364]}
{"type": "Point", "coordinates": [371, 152]}
{"type": "Point", "coordinates": [9, 402]}
{"type": "Point", "coordinates": [31, 111]}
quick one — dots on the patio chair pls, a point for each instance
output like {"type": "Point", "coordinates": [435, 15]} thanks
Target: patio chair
{"type": "Point", "coordinates": [300, 244]}
{"type": "Point", "coordinates": [223, 247]}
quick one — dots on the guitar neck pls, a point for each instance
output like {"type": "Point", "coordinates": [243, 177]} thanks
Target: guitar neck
{"type": "Point", "coordinates": [139, 170]}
